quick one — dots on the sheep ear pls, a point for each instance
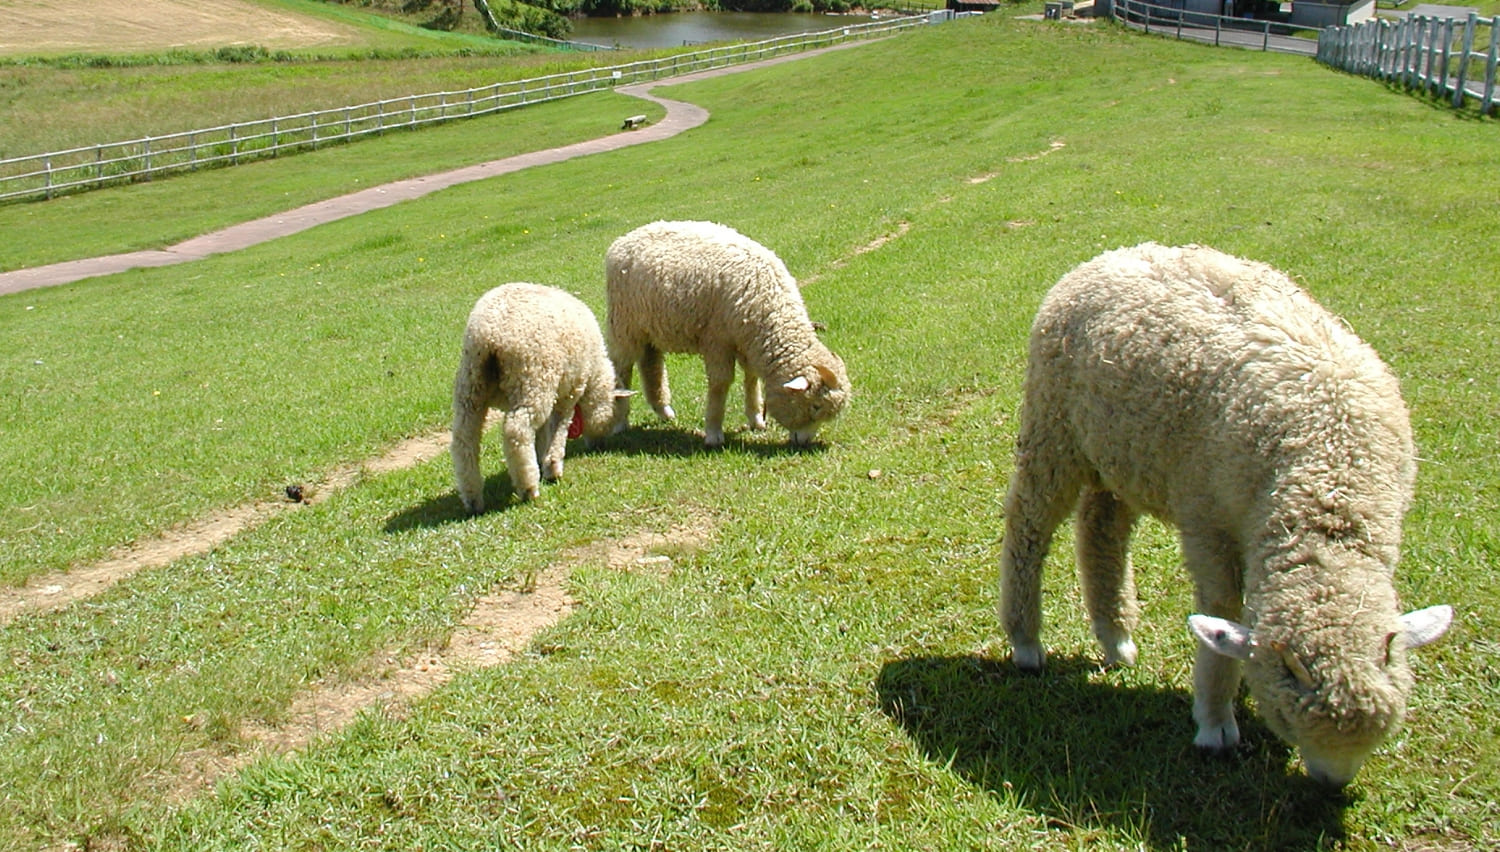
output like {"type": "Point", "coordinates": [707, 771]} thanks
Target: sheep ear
{"type": "Point", "coordinates": [1425, 626]}
{"type": "Point", "coordinates": [1222, 635]}
{"type": "Point", "coordinates": [623, 394]}
{"type": "Point", "coordinates": [829, 377]}
{"type": "Point", "coordinates": [798, 384]}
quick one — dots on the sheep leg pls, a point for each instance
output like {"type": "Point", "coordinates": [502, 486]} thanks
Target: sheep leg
{"type": "Point", "coordinates": [654, 382]}
{"type": "Point", "coordinates": [520, 452]}
{"type": "Point", "coordinates": [469, 410]}
{"type": "Point", "coordinates": [720, 367]}
{"type": "Point", "coordinates": [1103, 540]}
{"type": "Point", "coordinates": [551, 445]}
{"type": "Point", "coordinates": [1214, 562]}
{"type": "Point", "coordinates": [755, 404]}
{"type": "Point", "coordinates": [624, 364]}
{"type": "Point", "coordinates": [1041, 494]}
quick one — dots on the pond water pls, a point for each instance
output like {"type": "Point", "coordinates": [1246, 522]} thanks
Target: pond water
{"type": "Point", "coordinates": [675, 29]}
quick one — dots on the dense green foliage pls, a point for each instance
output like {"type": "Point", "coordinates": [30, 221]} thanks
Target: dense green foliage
{"type": "Point", "coordinates": [816, 666]}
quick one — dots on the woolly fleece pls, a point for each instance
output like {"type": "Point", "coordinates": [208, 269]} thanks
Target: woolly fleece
{"type": "Point", "coordinates": [703, 288]}
{"type": "Point", "coordinates": [1213, 393]}
{"type": "Point", "coordinates": [535, 353]}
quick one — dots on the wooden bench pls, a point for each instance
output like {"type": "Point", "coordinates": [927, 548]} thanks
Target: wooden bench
{"type": "Point", "coordinates": [633, 122]}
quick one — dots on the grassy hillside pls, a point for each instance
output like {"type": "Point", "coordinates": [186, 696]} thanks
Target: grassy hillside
{"type": "Point", "coordinates": [814, 663]}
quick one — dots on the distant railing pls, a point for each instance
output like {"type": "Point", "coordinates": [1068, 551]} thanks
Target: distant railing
{"type": "Point", "coordinates": [48, 175]}
{"type": "Point", "coordinates": [1219, 30]}
{"type": "Point", "coordinates": [1421, 53]}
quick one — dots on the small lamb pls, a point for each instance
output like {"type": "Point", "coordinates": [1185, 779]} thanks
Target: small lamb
{"type": "Point", "coordinates": [536, 354]}
{"type": "Point", "coordinates": [1215, 394]}
{"type": "Point", "coordinates": [704, 288]}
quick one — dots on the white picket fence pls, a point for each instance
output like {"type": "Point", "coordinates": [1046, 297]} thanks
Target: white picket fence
{"type": "Point", "coordinates": [41, 176]}
{"type": "Point", "coordinates": [1422, 53]}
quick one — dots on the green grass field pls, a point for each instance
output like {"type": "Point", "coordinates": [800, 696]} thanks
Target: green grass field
{"type": "Point", "coordinates": [818, 665]}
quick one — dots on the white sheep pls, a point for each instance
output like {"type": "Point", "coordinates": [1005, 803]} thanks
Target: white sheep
{"type": "Point", "coordinates": [705, 288]}
{"type": "Point", "coordinates": [536, 354]}
{"type": "Point", "coordinates": [1215, 394]}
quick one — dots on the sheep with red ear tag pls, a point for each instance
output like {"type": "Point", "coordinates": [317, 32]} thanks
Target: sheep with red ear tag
{"type": "Point", "coordinates": [536, 354]}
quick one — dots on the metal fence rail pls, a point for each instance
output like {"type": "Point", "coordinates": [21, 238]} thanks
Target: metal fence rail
{"type": "Point", "coordinates": [1217, 30]}
{"type": "Point", "coordinates": [47, 175]}
{"type": "Point", "coordinates": [1421, 53]}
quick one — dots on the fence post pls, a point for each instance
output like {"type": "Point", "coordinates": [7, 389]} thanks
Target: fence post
{"type": "Point", "coordinates": [1463, 60]}
{"type": "Point", "coordinates": [1430, 46]}
{"type": "Point", "coordinates": [1447, 49]}
{"type": "Point", "coordinates": [146, 149]}
{"type": "Point", "coordinates": [1489, 67]}
{"type": "Point", "coordinates": [98, 166]}
{"type": "Point", "coordinates": [275, 136]}
{"type": "Point", "coordinates": [47, 167]}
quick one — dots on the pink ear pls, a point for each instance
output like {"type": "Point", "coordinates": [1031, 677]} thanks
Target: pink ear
{"type": "Point", "coordinates": [575, 428]}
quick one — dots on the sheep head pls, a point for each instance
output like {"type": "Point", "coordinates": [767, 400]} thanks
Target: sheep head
{"type": "Point", "coordinates": [812, 396]}
{"type": "Point", "coordinates": [1336, 692]}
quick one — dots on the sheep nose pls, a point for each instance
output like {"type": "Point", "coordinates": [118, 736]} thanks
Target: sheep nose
{"type": "Point", "coordinates": [1329, 774]}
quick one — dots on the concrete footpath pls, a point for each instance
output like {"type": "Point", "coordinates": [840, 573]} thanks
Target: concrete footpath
{"type": "Point", "coordinates": [680, 116]}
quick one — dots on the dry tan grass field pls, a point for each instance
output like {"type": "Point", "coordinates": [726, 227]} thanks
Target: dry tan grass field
{"type": "Point", "coordinates": [99, 26]}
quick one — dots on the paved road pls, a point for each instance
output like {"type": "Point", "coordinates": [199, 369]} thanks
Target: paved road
{"type": "Point", "coordinates": [680, 116]}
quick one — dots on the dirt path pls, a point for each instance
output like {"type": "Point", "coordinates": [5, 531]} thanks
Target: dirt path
{"type": "Point", "coordinates": [680, 116]}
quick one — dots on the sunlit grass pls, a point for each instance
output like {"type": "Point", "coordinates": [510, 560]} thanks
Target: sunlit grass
{"type": "Point", "coordinates": [821, 670]}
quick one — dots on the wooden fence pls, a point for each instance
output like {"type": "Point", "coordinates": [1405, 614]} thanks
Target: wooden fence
{"type": "Point", "coordinates": [40, 176]}
{"type": "Point", "coordinates": [1421, 53]}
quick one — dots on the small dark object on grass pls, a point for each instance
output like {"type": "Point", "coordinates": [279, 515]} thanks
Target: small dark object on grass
{"type": "Point", "coordinates": [294, 493]}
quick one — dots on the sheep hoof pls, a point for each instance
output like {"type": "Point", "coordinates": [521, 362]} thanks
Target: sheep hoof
{"type": "Point", "coordinates": [1029, 657]}
{"type": "Point", "coordinates": [757, 424]}
{"type": "Point", "coordinates": [714, 440]}
{"type": "Point", "coordinates": [1121, 653]}
{"type": "Point", "coordinates": [1218, 739]}
{"type": "Point", "coordinates": [667, 413]}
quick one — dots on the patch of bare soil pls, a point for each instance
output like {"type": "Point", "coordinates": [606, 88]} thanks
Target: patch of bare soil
{"type": "Point", "coordinates": [111, 26]}
{"type": "Point", "coordinates": [874, 245]}
{"type": "Point", "coordinates": [499, 627]}
{"type": "Point", "coordinates": [59, 589]}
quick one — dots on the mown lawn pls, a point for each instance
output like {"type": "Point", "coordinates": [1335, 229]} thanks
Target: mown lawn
{"type": "Point", "coordinates": [818, 667]}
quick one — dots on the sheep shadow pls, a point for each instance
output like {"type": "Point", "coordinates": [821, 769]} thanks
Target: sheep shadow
{"type": "Point", "coordinates": [1082, 754]}
{"type": "Point", "coordinates": [672, 440]}
{"type": "Point", "coordinates": [663, 439]}
{"type": "Point", "coordinates": [446, 508]}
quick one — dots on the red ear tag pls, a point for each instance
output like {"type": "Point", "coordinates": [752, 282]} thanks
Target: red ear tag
{"type": "Point", "coordinates": [575, 428]}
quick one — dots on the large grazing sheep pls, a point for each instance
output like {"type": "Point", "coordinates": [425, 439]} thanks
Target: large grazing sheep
{"type": "Point", "coordinates": [1213, 393]}
{"type": "Point", "coordinates": [536, 354]}
{"type": "Point", "coordinates": [704, 288]}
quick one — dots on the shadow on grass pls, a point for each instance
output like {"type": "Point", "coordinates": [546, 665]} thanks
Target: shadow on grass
{"type": "Point", "coordinates": [446, 508]}
{"type": "Point", "coordinates": [664, 440]}
{"type": "Point", "coordinates": [672, 440]}
{"type": "Point", "coordinates": [1088, 755]}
